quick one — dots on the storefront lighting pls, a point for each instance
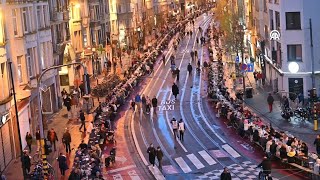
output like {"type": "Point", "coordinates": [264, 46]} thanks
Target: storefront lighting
{"type": "Point", "coordinates": [77, 6]}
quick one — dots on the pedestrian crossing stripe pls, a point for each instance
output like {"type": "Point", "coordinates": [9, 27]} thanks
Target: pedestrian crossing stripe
{"type": "Point", "coordinates": [207, 157]}
{"type": "Point", "coordinates": [195, 161]}
{"type": "Point", "coordinates": [183, 165]}
{"type": "Point", "coordinates": [231, 151]}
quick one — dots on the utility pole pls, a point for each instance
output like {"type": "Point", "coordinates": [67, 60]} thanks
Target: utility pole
{"type": "Point", "coordinates": [312, 55]}
{"type": "Point", "coordinates": [17, 119]}
{"type": "Point", "coordinates": [42, 142]}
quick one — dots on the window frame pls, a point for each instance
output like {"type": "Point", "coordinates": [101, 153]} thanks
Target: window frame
{"type": "Point", "coordinates": [20, 69]}
{"type": "Point", "coordinates": [296, 27]}
{"type": "Point", "coordinates": [289, 59]}
{"type": "Point", "coordinates": [14, 13]}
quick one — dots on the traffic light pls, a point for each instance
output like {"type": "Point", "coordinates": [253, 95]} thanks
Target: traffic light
{"type": "Point", "coordinates": [312, 95]}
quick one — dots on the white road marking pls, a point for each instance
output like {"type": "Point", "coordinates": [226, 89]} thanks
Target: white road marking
{"type": "Point", "coordinates": [136, 143]}
{"type": "Point", "coordinates": [133, 175]}
{"type": "Point", "coordinates": [207, 157]}
{"type": "Point", "coordinates": [183, 165]}
{"type": "Point", "coordinates": [156, 172]}
{"type": "Point", "coordinates": [196, 162]}
{"type": "Point", "coordinates": [117, 177]}
{"type": "Point", "coordinates": [120, 169]}
{"type": "Point", "coordinates": [230, 150]}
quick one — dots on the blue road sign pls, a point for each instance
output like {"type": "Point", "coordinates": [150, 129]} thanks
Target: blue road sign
{"type": "Point", "coordinates": [250, 67]}
{"type": "Point", "coordinates": [237, 59]}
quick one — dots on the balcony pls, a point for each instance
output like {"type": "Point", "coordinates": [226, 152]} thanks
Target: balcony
{"type": "Point", "coordinates": [66, 16]}
{"type": "Point", "coordinates": [57, 16]}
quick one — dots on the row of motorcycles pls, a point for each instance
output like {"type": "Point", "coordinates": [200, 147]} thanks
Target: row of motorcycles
{"type": "Point", "coordinates": [300, 113]}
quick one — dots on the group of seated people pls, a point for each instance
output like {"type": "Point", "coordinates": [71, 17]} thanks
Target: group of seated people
{"type": "Point", "coordinates": [87, 162]}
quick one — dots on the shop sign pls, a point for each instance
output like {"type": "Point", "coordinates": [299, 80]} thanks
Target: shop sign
{"type": "Point", "coordinates": [237, 59]}
{"type": "Point", "coordinates": [250, 67]}
{"type": "Point", "coordinates": [274, 35]}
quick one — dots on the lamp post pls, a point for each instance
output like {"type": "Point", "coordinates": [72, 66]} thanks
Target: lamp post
{"type": "Point", "coordinates": [42, 143]}
{"type": "Point", "coordinates": [17, 119]}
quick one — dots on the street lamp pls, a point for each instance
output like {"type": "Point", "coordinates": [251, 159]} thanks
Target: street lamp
{"type": "Point", "coordinates": [17, 119]}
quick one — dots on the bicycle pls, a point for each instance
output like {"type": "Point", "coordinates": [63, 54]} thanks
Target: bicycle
{"type": "Point", "coordinates": [37, 173]}
{"type": "Point", "coordinates": [264, 176]}
{"type": "Point", "coordinates": [36, 158]}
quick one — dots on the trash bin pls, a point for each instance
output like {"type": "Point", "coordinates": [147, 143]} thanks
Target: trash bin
{"type": "Point", "coordinates": [249, 92]}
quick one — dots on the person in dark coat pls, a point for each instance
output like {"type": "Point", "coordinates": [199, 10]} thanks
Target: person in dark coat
{"type": "Point", "coordinates": [154, 102]}
{"type": "Point", "coordinates": [67, 102]}
{"type": "Point", "coordinates": [225, 175]}
{"type": "Point", "coordinates": [38, 138]}
{"type": "Point", "coordinates": [52, 137]}
{"type": "Point", "coordinates": [175, 90]}
{"type": "Point", "coordinates": [83, 121]}
{"type": "Point", "coordinates": [29, 140]}
{"type": "Point", "coordinates": [152, 154]}
{"type": "Point", "coordinates": [62, 159]}
{"type": "Point", "coordinates": [26, 160]}
{"type": "Point", "coordinates": [178, 73]}
{"type": "Point", "coordinates": [189, 68]}
{"type": "Point", "coordinates": [317, 144]}
{"type": "Point", "coordinates": [270, 100]}
{"type": "Point", "coordinates": [159, 155]}
{"type": "Point", "coordinates": [66, 139]}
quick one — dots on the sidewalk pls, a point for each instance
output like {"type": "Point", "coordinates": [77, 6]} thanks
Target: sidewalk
{"type": "Point", "coordinates": [59, 122]}
{"type": "Point", "coordinates": [258, 104]}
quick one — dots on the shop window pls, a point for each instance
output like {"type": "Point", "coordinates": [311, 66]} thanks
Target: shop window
{"type": "Point", "coordinates": [294, 52]}
{"type": "Point", "coordinates": [293, 21]}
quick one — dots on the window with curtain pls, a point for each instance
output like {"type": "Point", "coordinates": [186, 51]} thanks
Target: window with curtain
{"type": "Point", "coordinates": [14, 22]}
{"type": "Point", "coordinates": [294, 52]}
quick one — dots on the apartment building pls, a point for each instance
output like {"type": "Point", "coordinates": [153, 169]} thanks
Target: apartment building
{"type": "Point", "coordinates": [59, 22]}
{"type": "Point", "coordinates": [27, 44]}
{"type": "Point", "coordinates": [293, 51]}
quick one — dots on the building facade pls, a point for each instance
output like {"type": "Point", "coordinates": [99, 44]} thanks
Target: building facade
{"type": "Point", "coordinates": [28, 46]}
{"type": "Point", "coordinates": [287, 61]}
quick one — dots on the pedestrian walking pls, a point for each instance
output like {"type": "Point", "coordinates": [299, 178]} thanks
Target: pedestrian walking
{"type": "Point", "coordinates": [62, 159]}
{"type": "Point", "coordinates": [259, 78]}
{"type": "Point", "coordinates": [189, 68]}
{"type": "Point", "coordinates": [66, 139]}
{"type": "Point", "coordinates": [317, 144]}
{"type": "Point", "coordinates": [181, 129]}
{"type": "Point", "coordinates": [152, 154]}
{"type": "Point", "coordinates": [90, 127]}
{"type": "Point", "coordinates": [133, 104]}
{"type": "Point", "coordinates": [154, 102]}
{"type": "Point", "coordinates": [26, 160]}
{"type": "Point", "coordinates": [137, 100]}
{"type": "Point", "coordinates": [159, 155]}
{"type": "Point", "coordinates": [196, 54]}
{"type": "Point", "coordinates": [114, 67]}
{"type": "Point", "coordinates": [192, 55]}
{"type": "Point", "coordinates": [83, 121]}
{"type": "Point", "coordinates": [175, 90]}
{"type": "Point", "coordinates": [255, 76]}
{"type": "Point", "coordinates": [38, 138]}
{"type": "Point", "coordinates": [174, 123]}
{"type": "Point", "coordinates": [148, 105]}
{"type": "Point", "coordinates": [144, 101]}
{"type": "Point", "coordinates": [178, 73]}
{"type": "Point", "coordinates": [29, 140]}
{"type": "Point", "coordinates": [52, 137]}
{"type": "Point", "coordinates": [225, 175]}
{"type": "Point", "coordinates": [270, 101]}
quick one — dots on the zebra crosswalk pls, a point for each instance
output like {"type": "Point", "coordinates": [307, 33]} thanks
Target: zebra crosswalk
{"type": "Point", "coordinates": [206, 161]}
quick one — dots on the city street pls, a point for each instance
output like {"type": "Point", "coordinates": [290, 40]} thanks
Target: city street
{"type": "Point", "coordinates": [208, 144]}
